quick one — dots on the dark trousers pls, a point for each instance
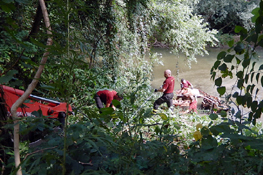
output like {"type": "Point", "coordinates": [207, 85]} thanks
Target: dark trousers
{"type": "Point", "coordinates": [99, 103]}
{"type": "Point", "coordinates": [166, 98]}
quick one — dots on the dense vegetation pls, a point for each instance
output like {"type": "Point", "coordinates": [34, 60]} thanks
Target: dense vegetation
{"type": "Point", "coordinates": [107, 44]}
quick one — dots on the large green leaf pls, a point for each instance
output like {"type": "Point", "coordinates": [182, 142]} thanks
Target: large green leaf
{"type": "Point", "coordinates": [221, 90]}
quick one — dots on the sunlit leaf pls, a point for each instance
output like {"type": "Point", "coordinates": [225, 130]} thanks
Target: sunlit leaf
{"type": "Point", "coordinates": [163, 116]}
{"type": "Point", "coordinates": [221, 90]}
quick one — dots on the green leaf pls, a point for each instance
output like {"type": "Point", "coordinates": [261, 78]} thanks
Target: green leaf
{"type": "Point", "coordinates": [257, 76]}
{"type": "Point", "coordinates": [251, 77]}
{"type": "Point", "coordinates": [235, 94]}
{"type": "Point", "coordinates": [209, 143]}
{"type": "Point", "coordinates": [238, 29]}
{"type": "Point", "coordinates": [240, 83]}
{"type": "Point", "coordinates": [223, 67]}
{"type": "Point", "coordinates": [246, 78]}
{"type": "Point", "coordinates": [245, 63]}
{"type": "Point", "coordinates": [262, 81]}
{"type": "Point", "coordinates": [116, 103]}
{"type": "Point", "coordinates": [163, 116]}
{"type": "Point", "coordinates": [216, 64]}
{"type": "Point", "coordinates": [253, 38]}
{"type": "Point", "coordinates": [239, 100]}
{"type": "Point", "coordinates": [240, 74]}
{"type": "Point", "coordinates": [254, 106]}
{"type": "Point", "coordinates": [108, 110]}
{"type": "Point", "coordinates": [8, 76]}
{"type": "Point", "coordinates": [261, 104]}
{"type": "Point", "coordinates": [240, 48]}
{"type": "Point", "coordinates": [255, 12]}
{"type": "Point", "coordinates": [218, 81]}
{"type": "Point", "coordinates": [260, 67]}
{"type": "Point", "coordinates": [249, 102]}
{"type": "Point", "coordinates": [223, 113]}
{"type": "Point", "coordinates": [213, 116]}
{"type": "Point", "coordinates": [231, 43]}
{"type": "Point", "coordinates": [229, 58]}
{"type": "Point", "coordinates": [205, 131]}
{"type": "Point", "coordinates": [221, 55]}
{"type": "Point", "coordinates": [221, 90]}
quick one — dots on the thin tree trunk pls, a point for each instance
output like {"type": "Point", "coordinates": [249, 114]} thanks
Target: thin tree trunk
{"type": "Point", "coordinates": [29, 90]}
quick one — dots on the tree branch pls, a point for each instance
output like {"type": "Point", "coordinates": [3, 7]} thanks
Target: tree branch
{"type": "Point", "coordinates": [29, 90]}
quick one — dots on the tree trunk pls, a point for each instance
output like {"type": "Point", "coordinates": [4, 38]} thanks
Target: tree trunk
{"type": "Point", "coordinates": [29, 89]}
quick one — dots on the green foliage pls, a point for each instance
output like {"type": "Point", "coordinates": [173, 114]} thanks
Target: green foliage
{"type": "Point", "coordinates": [224, 15]}
{"type": "Point", "coordinates": [103, 44]}
{"type": "Point", "coordinates": [174, 24]}
{"type": "Point", "coordinates": [245, 58]}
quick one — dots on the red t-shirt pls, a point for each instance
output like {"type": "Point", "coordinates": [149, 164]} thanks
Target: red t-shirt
{"type": "Point", "coordinates": [168, 85]}
{"type": "Point", "coordinates": [186, 84]}
{"type": "Point", "coordinates": [107, 96]}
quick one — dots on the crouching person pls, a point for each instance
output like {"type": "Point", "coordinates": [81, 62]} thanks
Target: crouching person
{"type": "Point", "coordinates": [105, 97]}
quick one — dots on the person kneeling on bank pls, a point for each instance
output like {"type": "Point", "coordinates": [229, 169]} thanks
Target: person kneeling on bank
{"type": "Point", "coordinates": [105, 97]}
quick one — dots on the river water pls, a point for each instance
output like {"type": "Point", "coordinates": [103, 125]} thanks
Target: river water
{"type": "Point", "coordinates": [198, 74]}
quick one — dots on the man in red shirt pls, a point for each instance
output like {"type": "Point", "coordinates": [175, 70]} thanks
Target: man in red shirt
{"type": "Point", "coordinates": [167, 89]}
{"type": "Point", "coordinates": [106, 97]}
